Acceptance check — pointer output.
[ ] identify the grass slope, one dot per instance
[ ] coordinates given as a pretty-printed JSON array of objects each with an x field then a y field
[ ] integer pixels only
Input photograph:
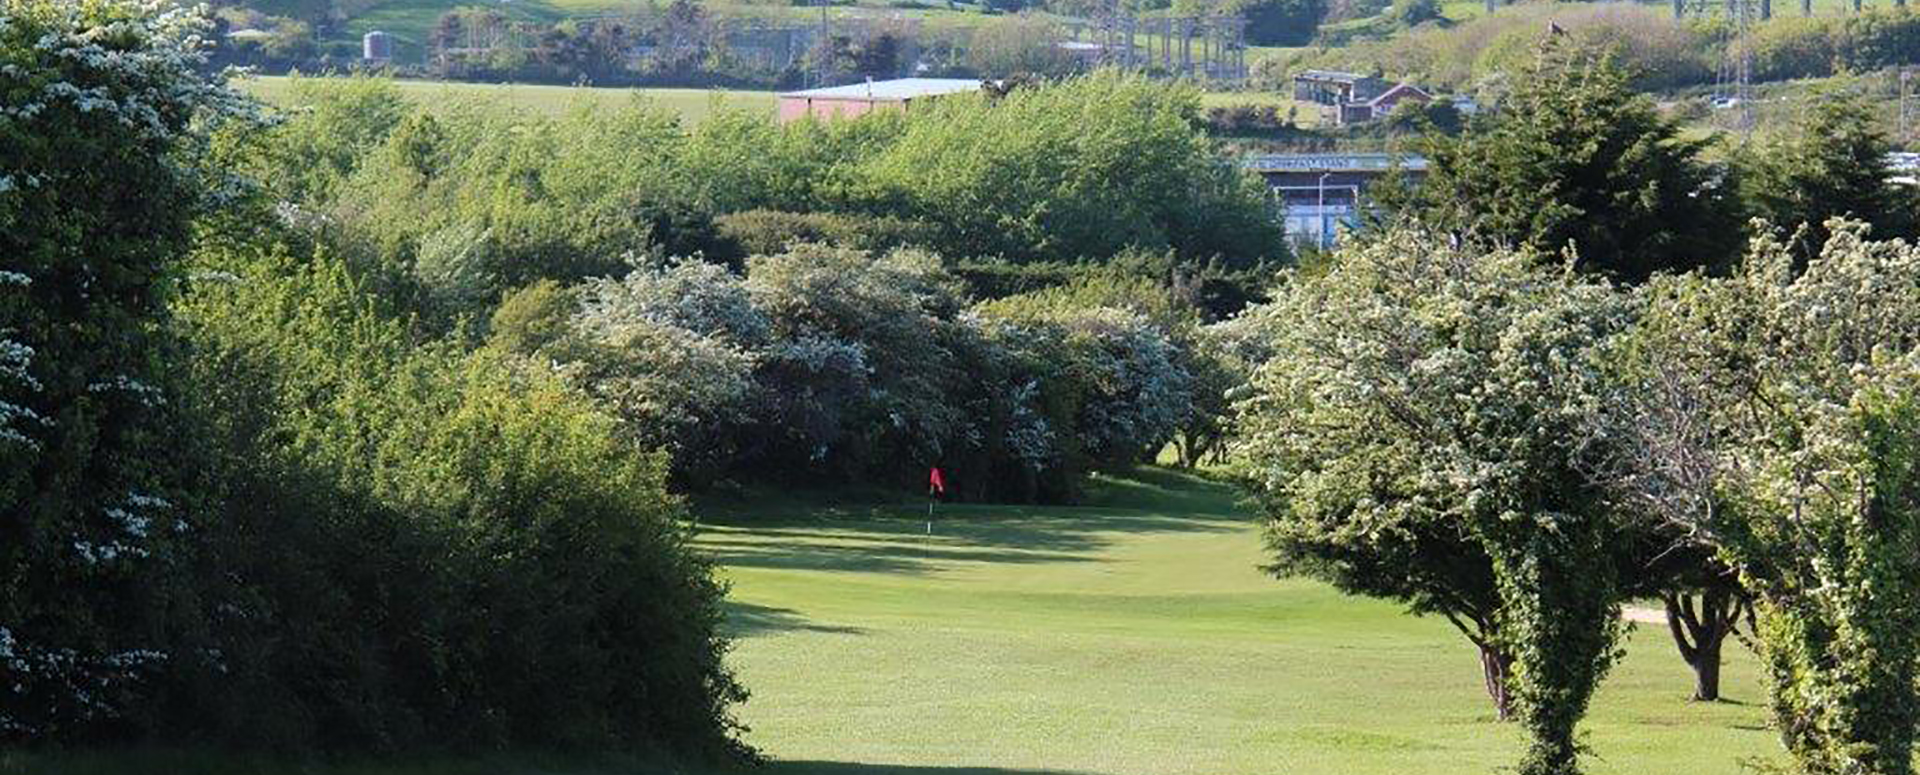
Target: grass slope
[
  {"x": 1132, "y": 635},
  {"x": 692, "y": 104}
]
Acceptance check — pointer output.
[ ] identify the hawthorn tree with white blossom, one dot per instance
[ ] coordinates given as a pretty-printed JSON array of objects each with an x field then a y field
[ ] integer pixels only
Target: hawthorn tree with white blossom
[
  {"x": 1775, "y": 420},
  {"x": 101, "y": 104},
  {"x": 1415, "y": 422}
]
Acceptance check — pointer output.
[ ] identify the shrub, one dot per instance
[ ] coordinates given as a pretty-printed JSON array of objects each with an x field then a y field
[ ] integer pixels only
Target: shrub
[
  {"x": 1478, "y": 55},
  {"x": 420, "y": 547},
  {"x": 1121, "y": 373},
  {"x": 102, "y": 172},
  {"x": 671, "y": 351},
  {"x": 768, "y": 232}
]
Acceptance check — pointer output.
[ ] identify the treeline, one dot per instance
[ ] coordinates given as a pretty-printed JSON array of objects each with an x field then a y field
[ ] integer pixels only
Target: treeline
[
  {"x": 1662, "y": 54},
  {"x": 801, "y": 301},
  {"x": 686, "y": 43},
  {"x": 360, "y": 427},
  {"x": 1560, "y": 377}
]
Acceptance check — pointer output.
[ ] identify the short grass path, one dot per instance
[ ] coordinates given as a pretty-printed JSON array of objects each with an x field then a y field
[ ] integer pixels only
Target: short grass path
[{"x": 1133, "y": 635}]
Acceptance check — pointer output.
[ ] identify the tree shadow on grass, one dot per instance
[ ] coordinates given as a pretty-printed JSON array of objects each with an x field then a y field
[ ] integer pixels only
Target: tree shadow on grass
[
  {"x": 746, "y": 620},
  {"x": 854, "y": 768},
  {"x": 893, "y": 537},
  {"x": 1165, "y": 490},
  {"x": 903, "y": 556}
]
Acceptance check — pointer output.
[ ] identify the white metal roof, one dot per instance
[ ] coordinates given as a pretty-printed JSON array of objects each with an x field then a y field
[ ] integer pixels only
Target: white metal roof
[{"x": 891, "y": 91}]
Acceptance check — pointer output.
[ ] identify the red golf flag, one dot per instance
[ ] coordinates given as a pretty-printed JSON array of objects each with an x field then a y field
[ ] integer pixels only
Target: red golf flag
[{"x": 936, "y": 483}]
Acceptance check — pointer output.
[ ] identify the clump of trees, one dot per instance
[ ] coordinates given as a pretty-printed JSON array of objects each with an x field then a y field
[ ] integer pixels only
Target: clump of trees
[
  {"x": 827, "y": 363},
  {"x": 360, "y": 428},
  {"x": 1830, "y": 163},
  {"x": 1466, "y": 413},
  {"x": 1485, "y": 436}
]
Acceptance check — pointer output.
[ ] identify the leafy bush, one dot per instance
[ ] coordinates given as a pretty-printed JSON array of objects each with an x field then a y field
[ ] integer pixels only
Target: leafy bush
[
  {"x": 671, "y": 351},
  {"x": 1127, "y": 380},
  {"x": 102, "y": 173},
  {"x": 420, "y": 547},
  {"x": 1776, "y": 422},
  {"x": 768, "y": 232}
]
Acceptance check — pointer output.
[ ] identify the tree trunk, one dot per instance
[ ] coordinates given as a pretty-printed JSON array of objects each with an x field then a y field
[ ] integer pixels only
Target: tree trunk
[
  {"x": 1495, "y": 667},
  {"x": 1700, "y": 631},
  {"x": 1706, "y": 674}
]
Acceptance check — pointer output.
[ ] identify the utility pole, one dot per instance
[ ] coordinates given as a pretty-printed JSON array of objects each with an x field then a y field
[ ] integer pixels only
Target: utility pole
[{"x": 1905, "y": 76}]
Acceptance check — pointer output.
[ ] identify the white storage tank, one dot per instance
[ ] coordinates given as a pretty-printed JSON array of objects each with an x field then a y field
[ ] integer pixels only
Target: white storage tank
[{"x": 376, "y": 46}]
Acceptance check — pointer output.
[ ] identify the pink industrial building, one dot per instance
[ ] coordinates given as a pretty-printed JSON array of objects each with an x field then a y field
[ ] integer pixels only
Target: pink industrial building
[{"x": 860, "y": 98}]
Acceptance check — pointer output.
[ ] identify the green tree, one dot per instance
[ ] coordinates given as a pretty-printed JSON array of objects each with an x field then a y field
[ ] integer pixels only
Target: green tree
[
  {"x": 1778, "y": 424},
  {"x": 99, "y": 185},
  {"x": 1082, "y": 168},
  {"x": 1575, "y": 158},
  {"x": 1424, "y": 400},
  {"x": 1832, "y": 164}
]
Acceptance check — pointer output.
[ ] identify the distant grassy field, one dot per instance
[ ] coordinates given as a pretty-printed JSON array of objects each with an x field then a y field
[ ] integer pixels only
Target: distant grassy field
[
  {"x": 410, "y": 21},
  {"x": 692, "y": 104},
  {"x": 1132, "y": 635}
]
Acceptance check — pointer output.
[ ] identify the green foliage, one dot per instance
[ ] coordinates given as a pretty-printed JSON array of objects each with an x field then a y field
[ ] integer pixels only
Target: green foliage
[
  {"x": 1082, "y": 168},
  {"x": 769, "y": 232},
  {"x": 1020, "y": 45},
  {"x": 424, "y": 548},
  {"x": 465, "y": 208},
  {"x": 532, "y": 318},
  {"x": 1875, "y": 38},
  {"x": 455, "y": 208},
  {"x": 1832, "y": 165},
  {"x": 1575, "y": 159},
  {"x": 100, "y": 180},
  {"x": 1419, "y": 409},
  {"x": 307, "y": 158},
  {"x": 1483, "y": 55},
  {"x": 828, "y": 363},
  {"x": 1281, "y": 22},
  {"x": 1777, "y": 423}
]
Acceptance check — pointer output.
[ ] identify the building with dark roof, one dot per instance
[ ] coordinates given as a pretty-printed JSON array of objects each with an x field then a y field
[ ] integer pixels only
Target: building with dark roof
[
  {"x": 1333, "y": 88},
  {"x": 1351, "y": 98}
]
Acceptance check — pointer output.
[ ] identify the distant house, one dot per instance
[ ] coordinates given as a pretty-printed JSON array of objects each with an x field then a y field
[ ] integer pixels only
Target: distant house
[
  {"x": 1382, "y": 106},
  {"x": 861, "y": 98},
  {"x": 1331, "y": 88}
]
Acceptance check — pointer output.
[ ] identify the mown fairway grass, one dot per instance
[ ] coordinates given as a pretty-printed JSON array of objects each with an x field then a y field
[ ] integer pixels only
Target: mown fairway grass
[
  {"x": 692, "y": 104},
  {"x": 1132, "y": 635}
]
